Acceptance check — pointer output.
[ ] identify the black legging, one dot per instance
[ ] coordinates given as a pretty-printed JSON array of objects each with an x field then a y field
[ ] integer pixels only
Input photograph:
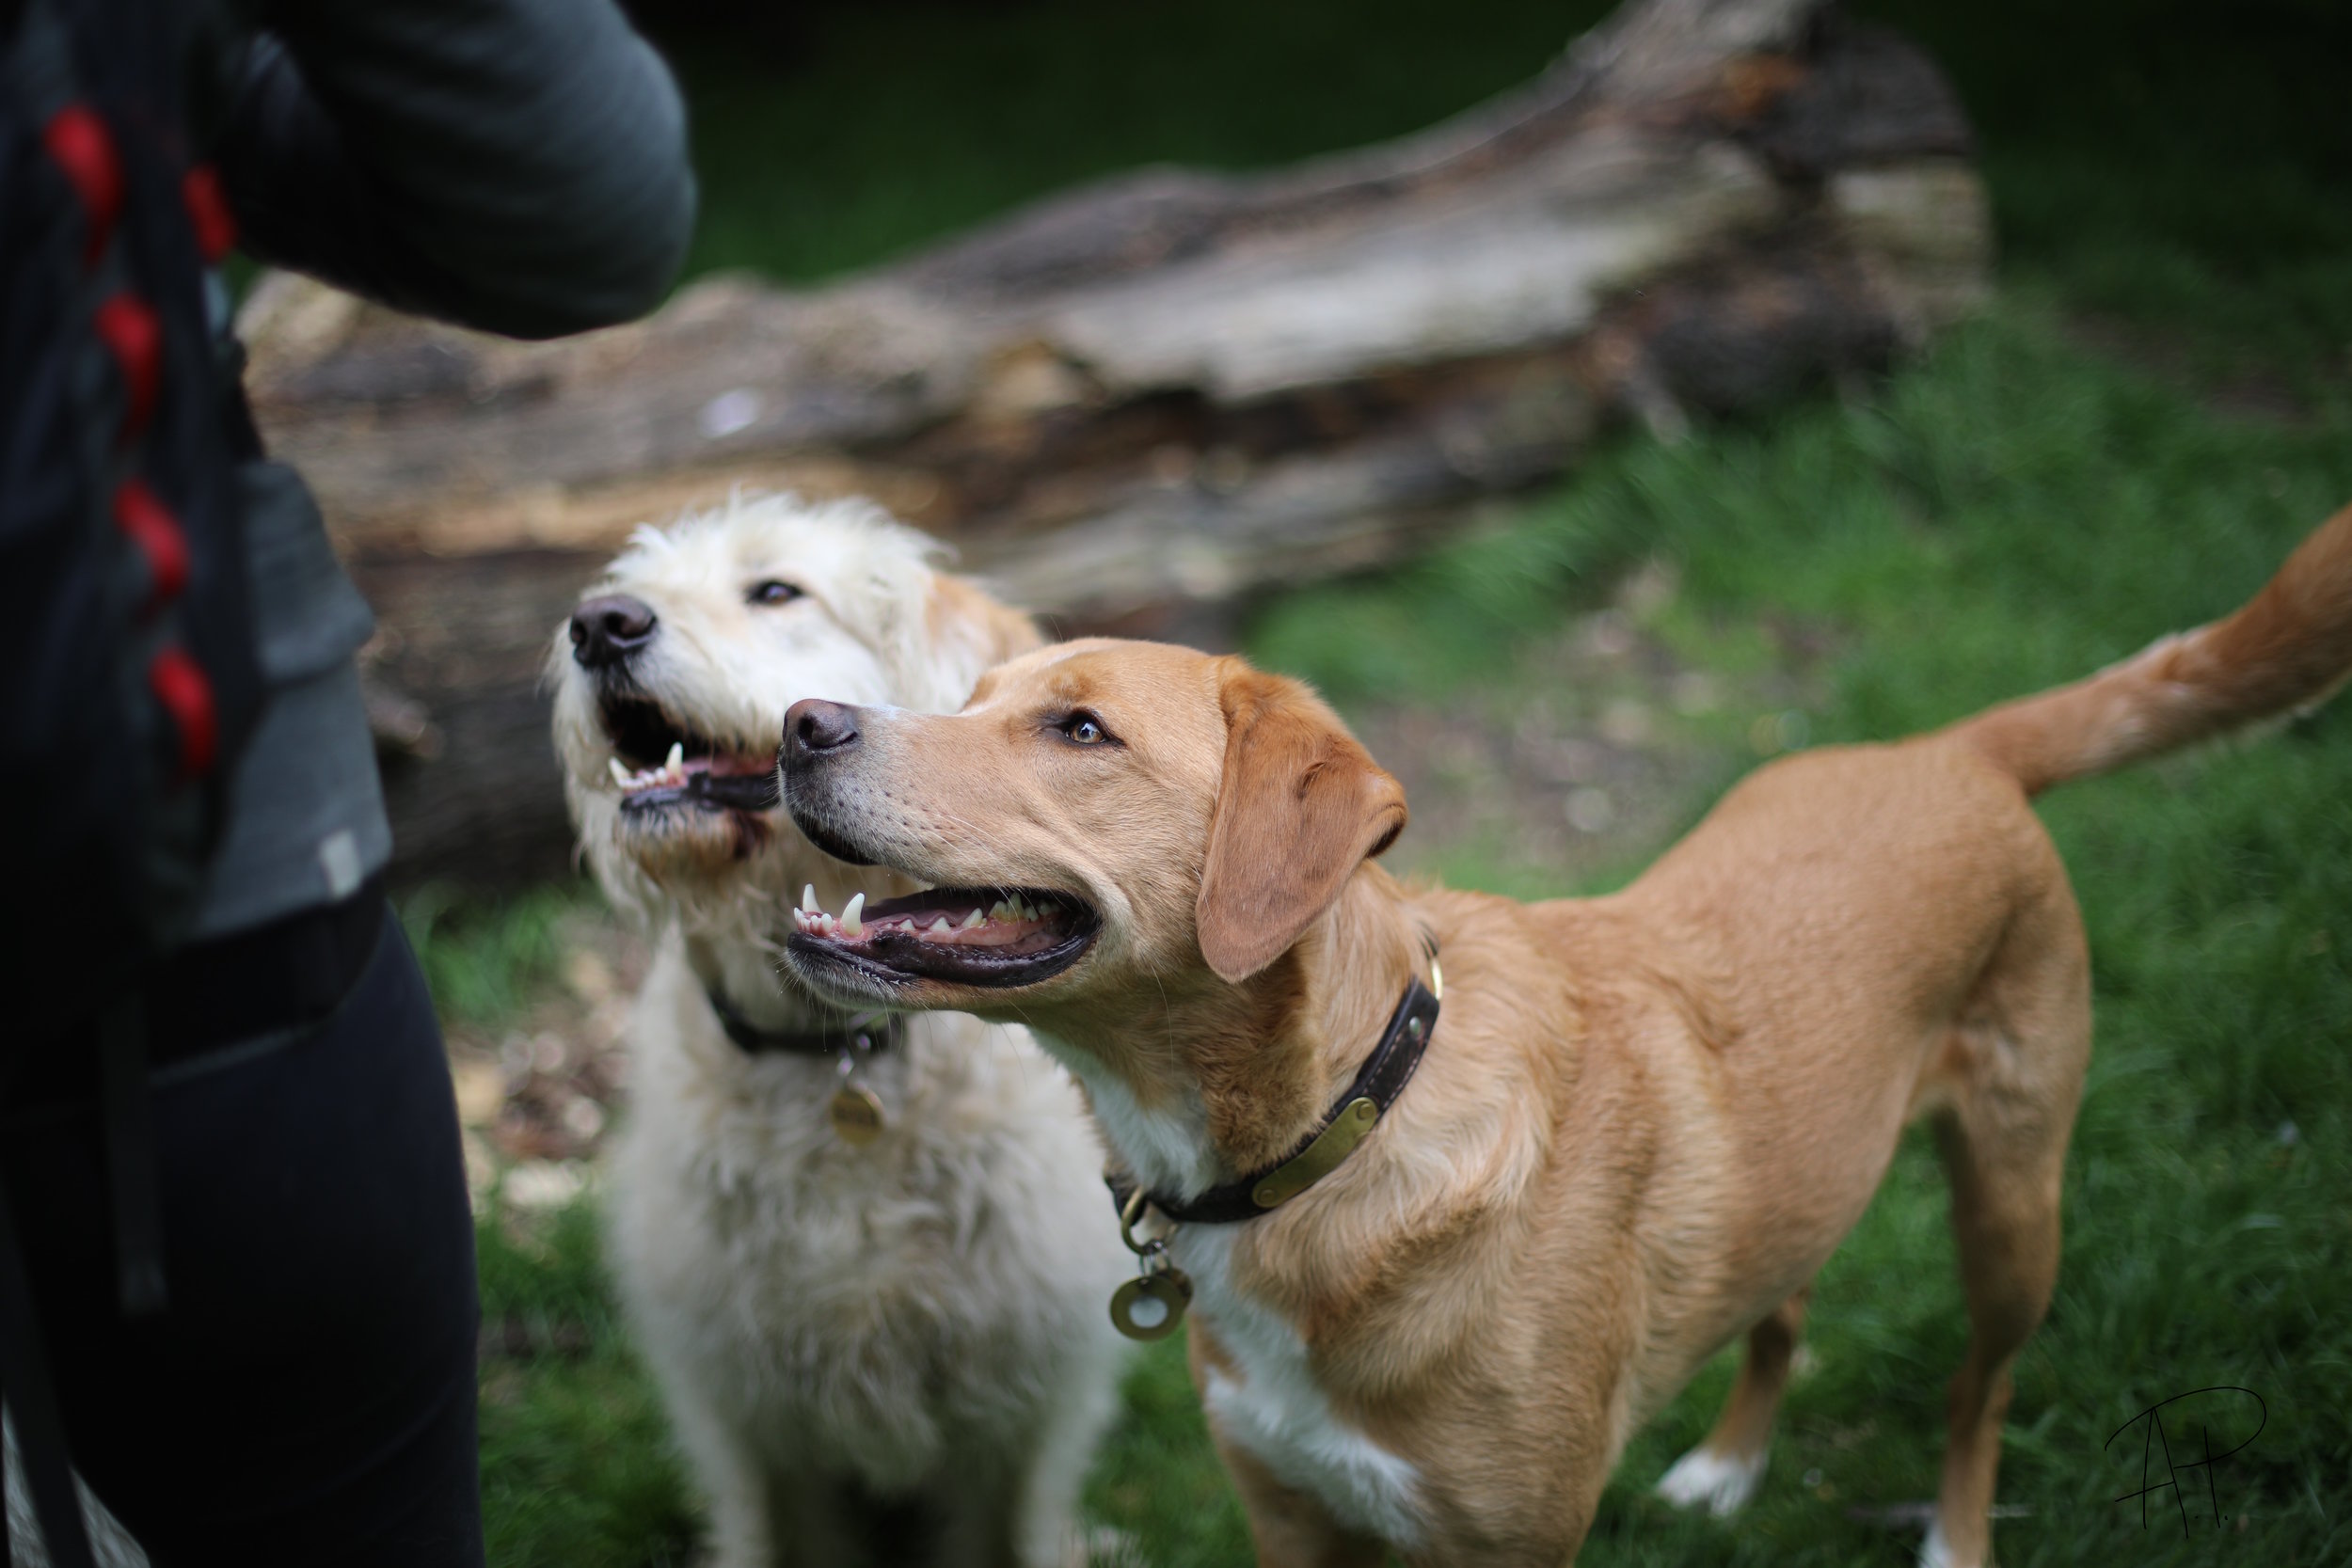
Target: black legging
[{"x": 308, "y": 1398}]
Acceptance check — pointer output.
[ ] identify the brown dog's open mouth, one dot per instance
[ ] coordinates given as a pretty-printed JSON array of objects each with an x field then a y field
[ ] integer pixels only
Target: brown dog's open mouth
[
  {"x": 662, "y": 765},
  {"x": 996, "y": 937}
]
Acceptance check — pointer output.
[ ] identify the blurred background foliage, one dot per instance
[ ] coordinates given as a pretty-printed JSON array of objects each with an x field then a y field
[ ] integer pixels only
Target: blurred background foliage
[{"x": 2185, "y": 166}]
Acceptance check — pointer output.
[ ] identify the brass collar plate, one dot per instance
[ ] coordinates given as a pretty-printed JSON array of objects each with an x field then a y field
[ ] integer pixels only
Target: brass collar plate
[{"x": 1320, "y": 1158}]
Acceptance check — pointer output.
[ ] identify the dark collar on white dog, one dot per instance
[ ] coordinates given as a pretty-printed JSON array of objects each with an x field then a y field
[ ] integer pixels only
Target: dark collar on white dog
[
  {"x": 1377, "y": 1083},
  {"x": 838, "y": 1033}
]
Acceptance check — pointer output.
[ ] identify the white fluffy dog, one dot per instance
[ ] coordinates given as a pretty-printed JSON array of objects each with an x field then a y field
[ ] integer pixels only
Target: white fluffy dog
[{"x": 894, "y": 1350}]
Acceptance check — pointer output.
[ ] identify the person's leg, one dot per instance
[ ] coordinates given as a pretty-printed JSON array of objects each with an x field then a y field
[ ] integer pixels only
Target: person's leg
[{"x": 309, "y": 1395}]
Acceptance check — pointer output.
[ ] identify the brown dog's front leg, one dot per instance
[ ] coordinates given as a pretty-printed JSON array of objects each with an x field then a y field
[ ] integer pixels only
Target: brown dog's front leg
[
  {"x": 1720, "y": 1474},
  {"x": 1289, "y": 1529}
]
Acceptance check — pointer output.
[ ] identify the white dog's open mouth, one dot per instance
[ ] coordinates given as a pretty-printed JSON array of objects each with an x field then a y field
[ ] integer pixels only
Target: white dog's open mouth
[
  {"x": 992, "y": 937},
  {"x": 662, "y": 765}
]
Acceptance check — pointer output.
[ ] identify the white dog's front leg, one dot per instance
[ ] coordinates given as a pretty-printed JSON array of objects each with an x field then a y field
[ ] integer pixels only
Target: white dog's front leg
[
  {"x": 734, "y": 1478},
  {"x": 1047, "y": 1530}
]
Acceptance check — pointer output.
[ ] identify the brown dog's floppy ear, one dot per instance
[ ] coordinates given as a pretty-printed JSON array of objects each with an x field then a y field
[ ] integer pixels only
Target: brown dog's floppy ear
[{"x": 1301, "y": 807}]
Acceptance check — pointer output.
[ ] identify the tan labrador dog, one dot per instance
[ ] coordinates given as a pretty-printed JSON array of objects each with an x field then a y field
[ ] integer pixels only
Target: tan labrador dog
[{"x": 1643, "y": 1122}]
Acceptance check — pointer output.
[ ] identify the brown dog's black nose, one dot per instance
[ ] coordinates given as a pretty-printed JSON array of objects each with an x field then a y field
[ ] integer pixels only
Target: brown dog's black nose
[
  {"x": 814, "y": 728},
  {"x": 608, "y": 630}
]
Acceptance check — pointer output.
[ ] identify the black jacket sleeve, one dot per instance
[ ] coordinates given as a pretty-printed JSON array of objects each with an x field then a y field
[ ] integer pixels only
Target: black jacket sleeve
[{"x": 518, "y": 166}]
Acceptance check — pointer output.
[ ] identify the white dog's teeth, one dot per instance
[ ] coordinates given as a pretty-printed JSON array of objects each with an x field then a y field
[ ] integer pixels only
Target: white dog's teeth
[
  {"x": 1000, "y": 911},
  {"x": 620, "y": 774},
  {"x": 676, "y": 760},
  {"x": 850, "y": 926},
  {"x": 809, "y": 899},
  {"x": 978, "y": 917},
  {"x": 940, "y": 927}
]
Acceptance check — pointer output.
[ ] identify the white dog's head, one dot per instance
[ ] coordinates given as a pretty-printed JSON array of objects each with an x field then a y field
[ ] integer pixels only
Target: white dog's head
[{"x": 673, "y": 677}]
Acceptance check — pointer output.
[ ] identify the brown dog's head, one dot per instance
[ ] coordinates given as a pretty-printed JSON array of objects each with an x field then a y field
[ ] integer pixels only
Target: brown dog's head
[{"x": 1099, "y": 812}]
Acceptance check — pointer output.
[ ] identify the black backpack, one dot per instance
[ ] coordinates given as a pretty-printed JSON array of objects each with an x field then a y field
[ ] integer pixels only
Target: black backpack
[
  {"x": 128, "y": 677},
  {"x": 128, "y": 671}
]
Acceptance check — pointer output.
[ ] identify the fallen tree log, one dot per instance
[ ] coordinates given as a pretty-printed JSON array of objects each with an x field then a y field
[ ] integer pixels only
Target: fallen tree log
[{"x": 1166, "y": 389}]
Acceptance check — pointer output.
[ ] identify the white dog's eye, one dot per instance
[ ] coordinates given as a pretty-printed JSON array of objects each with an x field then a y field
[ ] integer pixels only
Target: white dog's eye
[
  {"x": 771, "y": 592},
  {"x": 1085, "y": 729}
]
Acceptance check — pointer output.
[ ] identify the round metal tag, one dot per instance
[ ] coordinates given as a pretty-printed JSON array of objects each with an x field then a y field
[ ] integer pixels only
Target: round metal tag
[
  {"x": 1151, "y": 1308},
  {"x": 856, "y": 1115}
]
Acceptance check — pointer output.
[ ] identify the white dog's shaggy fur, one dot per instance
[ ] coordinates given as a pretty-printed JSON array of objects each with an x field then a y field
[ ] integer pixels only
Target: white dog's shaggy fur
[{"x": 863, "y": 1348}]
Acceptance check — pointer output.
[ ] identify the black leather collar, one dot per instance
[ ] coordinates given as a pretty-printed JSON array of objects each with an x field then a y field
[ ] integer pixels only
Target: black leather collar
[
  {"x": 839, "y": 1032},
  {"x": 1377, "y": 1083}
]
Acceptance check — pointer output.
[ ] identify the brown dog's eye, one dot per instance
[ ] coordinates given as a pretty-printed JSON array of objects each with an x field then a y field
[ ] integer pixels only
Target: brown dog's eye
[
  {"x": 771, "y": 592},
  {"x": 1085, "y": 729}
]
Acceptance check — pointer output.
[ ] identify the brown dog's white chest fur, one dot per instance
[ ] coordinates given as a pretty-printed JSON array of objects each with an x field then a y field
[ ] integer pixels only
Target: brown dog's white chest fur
[{"x": 1265, "y": 1395}]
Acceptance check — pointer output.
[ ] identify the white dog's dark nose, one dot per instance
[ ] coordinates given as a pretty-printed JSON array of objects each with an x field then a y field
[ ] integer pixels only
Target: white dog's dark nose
[
  {"x": 815, "y": 728},
  {"x": 608, "y": 630}
]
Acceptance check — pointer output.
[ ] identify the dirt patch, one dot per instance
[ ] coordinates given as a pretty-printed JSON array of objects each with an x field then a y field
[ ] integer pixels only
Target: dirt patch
[
  {"x": 2239, "y": 388},
  {"x": 1592, "y": 752},
  {"x": 536, "y": 1098}
]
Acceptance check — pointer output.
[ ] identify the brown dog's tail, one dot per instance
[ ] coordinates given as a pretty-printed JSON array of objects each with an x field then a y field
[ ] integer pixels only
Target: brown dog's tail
[{"x": 2290, "y": 647}]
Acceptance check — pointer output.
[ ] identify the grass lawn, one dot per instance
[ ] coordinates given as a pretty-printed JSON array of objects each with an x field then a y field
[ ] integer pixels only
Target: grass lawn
[{"x": 2156, "y": 409}]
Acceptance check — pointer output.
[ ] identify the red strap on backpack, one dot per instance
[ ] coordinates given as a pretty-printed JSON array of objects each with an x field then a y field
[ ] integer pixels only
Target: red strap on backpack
[{"x": 79, "y": 144}]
